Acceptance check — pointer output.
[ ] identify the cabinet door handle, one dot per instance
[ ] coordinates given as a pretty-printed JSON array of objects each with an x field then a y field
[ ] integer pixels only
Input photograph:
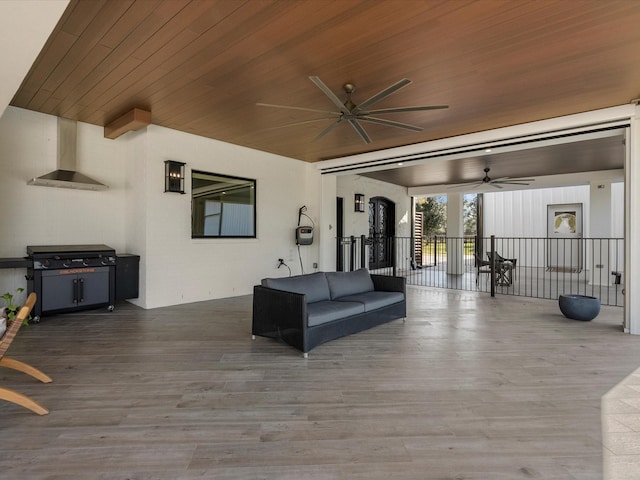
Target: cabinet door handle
[
  {"x": 81, "y": 290},
  {"x": 75, "y": 290}
]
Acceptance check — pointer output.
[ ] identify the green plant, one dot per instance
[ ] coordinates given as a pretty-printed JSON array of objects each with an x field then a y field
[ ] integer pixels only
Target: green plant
[{"x": 12, "y": 309}]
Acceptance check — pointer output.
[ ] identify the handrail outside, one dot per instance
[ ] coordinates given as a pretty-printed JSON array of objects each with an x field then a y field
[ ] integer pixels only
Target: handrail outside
[{"x": 543, "y": 267}]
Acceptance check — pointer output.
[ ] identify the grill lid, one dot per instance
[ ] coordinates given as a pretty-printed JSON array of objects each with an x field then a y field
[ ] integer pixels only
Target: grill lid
[{"x": 69, "y": 251}]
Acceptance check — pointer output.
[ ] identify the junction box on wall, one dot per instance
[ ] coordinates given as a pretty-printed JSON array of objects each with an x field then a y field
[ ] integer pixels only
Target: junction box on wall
[{"x": 304, "y": 233}]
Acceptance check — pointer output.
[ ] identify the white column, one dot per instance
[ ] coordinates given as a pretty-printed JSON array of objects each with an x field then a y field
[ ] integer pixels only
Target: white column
[
  {"x": 327, "y": 225},
  {"x": 632, "y": 229},
  {"x": 599, "y": 228},
  {"x": 455, "y": 232}
]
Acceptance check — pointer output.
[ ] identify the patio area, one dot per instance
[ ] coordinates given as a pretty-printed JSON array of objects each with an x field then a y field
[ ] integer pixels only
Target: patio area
[{"x": 525, "y": 281}]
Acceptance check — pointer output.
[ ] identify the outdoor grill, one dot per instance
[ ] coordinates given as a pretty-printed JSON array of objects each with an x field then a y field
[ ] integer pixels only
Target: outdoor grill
[{"x": 71, "y": 277}]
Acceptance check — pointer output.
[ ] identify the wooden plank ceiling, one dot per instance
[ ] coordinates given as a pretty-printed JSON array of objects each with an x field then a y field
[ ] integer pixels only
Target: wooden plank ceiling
[{"x": 202, "y": 66}]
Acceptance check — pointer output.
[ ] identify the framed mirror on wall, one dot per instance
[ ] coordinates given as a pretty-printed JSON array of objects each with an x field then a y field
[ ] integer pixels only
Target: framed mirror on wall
[{"x": 222, "y": 206}]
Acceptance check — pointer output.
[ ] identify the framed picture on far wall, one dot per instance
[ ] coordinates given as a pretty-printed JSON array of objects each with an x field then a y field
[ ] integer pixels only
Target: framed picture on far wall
[{"x": 564, "y": 231}]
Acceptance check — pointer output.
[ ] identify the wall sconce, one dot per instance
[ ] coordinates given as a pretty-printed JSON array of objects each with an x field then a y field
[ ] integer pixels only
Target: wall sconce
[
  {"x": 174, "y": 176},
  {"x": 358, "y": 202}
]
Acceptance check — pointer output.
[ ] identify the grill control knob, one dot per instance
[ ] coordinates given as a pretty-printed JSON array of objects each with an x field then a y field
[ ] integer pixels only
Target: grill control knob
[{"x": 85, "y": 262}]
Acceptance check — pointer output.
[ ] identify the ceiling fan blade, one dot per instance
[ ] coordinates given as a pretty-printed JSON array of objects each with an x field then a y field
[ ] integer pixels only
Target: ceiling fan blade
[
  {"x": 513, "y": 179},
  {"x": 303, "y": 122},
  {"x": 467, "y": 184},
  {"x": 390, "y": 123},
  {"x": 384, "y": 93},
  {"x": 495, "y": 185},
  {"x": 304, "y": 109},
  {"x": 509, "y": 183},
  {"x": 478, "y": 185},
  {"x": 327, "y": 91},
  {"x": 358, "y": 128},
  {"x": 403, "y": 109},
  {"x": 507, "y": 179},
  {"x": 329, "y": 128}
]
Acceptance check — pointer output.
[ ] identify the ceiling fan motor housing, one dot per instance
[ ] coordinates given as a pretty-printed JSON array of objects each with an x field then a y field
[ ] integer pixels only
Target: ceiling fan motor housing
[{"x": 354, "y": 114}]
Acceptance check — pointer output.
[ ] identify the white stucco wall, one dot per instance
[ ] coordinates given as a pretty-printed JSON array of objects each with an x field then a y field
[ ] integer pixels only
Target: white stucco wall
[
  {"x": 136, "y": 216},
  {"x": 180, "y": 269},
  {"x": 357, "y": 223},
  {"x": 327, "y": 227},
  {"x": 33, "y": 215}
]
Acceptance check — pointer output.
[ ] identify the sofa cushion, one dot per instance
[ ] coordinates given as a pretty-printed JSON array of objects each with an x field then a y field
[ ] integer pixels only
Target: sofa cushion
[
  {"x": 342, "y": 284},
  {"x": 323, "y": 312},
  {"x": 313, "y": 285},
  {"x": 374, "y": 300}
]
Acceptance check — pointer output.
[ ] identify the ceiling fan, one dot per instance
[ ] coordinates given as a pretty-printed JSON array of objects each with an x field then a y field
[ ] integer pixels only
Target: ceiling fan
[
  {"x": 354, "y": 114},
  {"x": 497, "y": 182}
]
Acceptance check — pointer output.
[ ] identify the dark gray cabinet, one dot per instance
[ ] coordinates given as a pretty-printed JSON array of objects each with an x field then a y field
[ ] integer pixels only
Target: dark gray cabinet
[
  {"x": 127, "y": 276},
  {"x": 74, "y": 287}
]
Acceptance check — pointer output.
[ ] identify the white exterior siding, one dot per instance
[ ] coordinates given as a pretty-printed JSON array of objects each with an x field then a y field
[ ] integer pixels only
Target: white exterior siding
[{"x": 522, "y": 214}]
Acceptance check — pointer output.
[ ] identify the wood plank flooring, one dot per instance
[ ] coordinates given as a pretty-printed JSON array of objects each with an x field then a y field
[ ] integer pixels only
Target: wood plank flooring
[{"x": 469, "y": 387}]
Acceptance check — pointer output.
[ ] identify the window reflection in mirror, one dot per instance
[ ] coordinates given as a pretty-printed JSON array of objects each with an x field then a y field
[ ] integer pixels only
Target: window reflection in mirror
[{"x": 222, "y": 206}]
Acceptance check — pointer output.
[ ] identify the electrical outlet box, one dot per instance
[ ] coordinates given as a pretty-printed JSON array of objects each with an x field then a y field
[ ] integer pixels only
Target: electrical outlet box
[{"x": 315, "y": 265}]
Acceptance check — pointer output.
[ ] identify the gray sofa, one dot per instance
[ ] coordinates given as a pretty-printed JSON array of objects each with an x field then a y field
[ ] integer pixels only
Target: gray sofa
[{"x": 308, "y": 310}]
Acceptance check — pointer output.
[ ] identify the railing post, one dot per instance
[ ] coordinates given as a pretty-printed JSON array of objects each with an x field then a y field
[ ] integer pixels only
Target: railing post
[
  {"x": 435, "y": 250},
  {"x": 493, "y": 265},
  {"x": 352, "y": 253},
  {"x": 393, "y": 255},
  {"x": 363, "y": 243}
]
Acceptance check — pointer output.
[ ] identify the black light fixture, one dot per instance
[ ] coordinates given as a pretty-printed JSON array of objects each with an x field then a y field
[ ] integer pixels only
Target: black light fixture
[
  {"x": 174, "y": 176},
  {"x": 358, "y": 202}
]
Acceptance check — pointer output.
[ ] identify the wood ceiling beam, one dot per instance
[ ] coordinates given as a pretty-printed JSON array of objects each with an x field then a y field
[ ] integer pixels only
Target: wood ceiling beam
[{"x": 133, "y": 120}]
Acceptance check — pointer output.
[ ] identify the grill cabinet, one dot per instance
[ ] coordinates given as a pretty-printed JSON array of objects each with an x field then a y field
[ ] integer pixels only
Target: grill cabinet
[{"x": 67, "y": 278}]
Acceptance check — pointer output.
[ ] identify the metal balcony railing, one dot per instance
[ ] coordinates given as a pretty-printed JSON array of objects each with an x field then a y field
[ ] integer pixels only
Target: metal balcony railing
[{"x": 530, "y": 267}]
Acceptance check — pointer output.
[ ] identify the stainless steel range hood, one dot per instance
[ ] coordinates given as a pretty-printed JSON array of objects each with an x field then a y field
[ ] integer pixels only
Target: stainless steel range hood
[{"x": 65, "y": 176}]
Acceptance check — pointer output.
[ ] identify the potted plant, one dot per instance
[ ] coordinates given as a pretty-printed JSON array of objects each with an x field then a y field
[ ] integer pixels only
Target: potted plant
[{"x": 11, "y": 310}]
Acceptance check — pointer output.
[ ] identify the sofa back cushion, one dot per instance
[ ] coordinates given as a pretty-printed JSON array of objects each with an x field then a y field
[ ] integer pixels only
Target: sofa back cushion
[
  {"x": 342, "y": 284},
  {"x": 313, "y": 285}
]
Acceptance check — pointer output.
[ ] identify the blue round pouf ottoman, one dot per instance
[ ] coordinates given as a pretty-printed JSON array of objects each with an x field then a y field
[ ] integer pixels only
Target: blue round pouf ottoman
[{"x": 579, "y": 307}]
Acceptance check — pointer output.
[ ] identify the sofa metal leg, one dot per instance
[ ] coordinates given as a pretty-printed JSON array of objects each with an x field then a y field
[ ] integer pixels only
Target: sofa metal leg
[
  {"x": 305, "y": 355},
  {"x": 253, "y": 337}
]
